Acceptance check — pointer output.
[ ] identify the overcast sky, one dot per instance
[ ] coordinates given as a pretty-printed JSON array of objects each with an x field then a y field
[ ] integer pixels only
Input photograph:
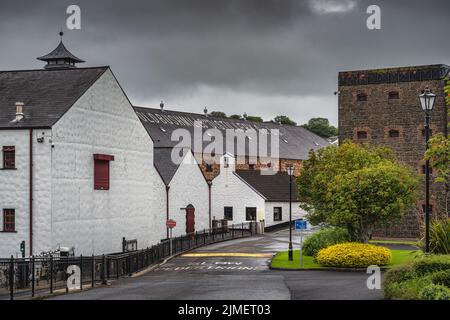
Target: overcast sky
[{"x": 263, "y": 57}]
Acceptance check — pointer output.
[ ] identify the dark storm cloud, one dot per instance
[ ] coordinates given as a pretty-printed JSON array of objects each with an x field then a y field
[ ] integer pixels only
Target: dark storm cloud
[{"x": 262, "y": 56}]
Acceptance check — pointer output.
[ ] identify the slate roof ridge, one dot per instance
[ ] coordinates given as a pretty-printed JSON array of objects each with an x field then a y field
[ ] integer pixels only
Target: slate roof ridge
[{"x": 54, "y": 70}]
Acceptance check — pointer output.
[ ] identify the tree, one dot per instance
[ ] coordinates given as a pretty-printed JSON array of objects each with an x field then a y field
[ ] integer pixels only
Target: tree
[
  {"x": 356, "y": 187},
  {"x": 218, "y": 114},
  {"x": 322, "y": 127},
  {"x": 439, "y": 156},
  {"x": 255, "y": 119},
  {"x": 236, "y": 117},
  {"x": 284, "y": 120}
]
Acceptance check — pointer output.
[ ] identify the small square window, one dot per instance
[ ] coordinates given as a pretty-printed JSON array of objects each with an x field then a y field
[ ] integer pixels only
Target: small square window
[
  {"x": 277, "y": 214},
  {"x": 250, "y": 214},
  {"x": 209, "y": 167},
  {"x": 361, "y": 97},
  {"x": 394, "y": 95},
  {"x": 228, "y": 213},
  {"x": 9, "y": 157},
  {"x": 362, "y": 135},
  {"x": 394, "y": 133},
  {"x": 9, "y": 220},
  {"x": 251, "y": 167}
]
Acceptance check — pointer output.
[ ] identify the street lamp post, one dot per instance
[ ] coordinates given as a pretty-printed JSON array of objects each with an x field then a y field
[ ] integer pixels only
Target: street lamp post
[
  {"x": 427, "y": 100},
  {"x": 291, "y": 173}
]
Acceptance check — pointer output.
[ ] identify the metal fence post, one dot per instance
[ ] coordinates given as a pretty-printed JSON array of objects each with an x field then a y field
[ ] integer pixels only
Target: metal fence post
[
  {"x": 11, "y": 279},
  {"x": 33, "y": 275},
  {"x": 81, "y": 272},
  {"x": 93, "y": 272},
  {"x": 51, "y": 274},
  {"x": 103, "y": 277},
  {"x": 242, "y": 229}
]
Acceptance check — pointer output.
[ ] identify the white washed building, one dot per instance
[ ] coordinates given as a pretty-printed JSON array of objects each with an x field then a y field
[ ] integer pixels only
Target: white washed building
[
  {"x": 76, "y": 164},
  {"x": 244, "y": 195},
  {"x": 187, "y": 192}
]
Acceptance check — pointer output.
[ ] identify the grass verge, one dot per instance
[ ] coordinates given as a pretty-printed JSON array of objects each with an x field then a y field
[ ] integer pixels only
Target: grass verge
[{"x": 281, "y": 260}]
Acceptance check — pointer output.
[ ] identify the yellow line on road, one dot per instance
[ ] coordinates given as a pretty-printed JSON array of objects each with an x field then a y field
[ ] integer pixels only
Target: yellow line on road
[{"x": 231, "y": 255}]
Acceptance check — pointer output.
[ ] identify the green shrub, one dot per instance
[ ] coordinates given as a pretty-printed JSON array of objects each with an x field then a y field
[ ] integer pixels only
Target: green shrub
[
  {"x": 435, "y": 292},
  {"x": 420, "y": 279},
  {"x": 323, "y": 239},
  {"x": 440, "y": 236},
  {"x": 354, "y": 255},
  {"x": 442, "y": 278},
  {"x": 430, "y": 264}
]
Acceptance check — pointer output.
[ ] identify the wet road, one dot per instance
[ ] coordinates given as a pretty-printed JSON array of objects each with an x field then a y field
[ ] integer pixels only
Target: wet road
[{"x": 235, "y": 270}]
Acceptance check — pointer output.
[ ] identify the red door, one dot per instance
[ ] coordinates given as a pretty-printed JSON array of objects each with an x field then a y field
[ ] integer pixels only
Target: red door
[{"x": 190, "y": 219}]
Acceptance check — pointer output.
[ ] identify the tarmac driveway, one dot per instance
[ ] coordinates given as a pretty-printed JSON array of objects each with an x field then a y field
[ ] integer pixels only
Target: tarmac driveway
[{"x": 234, "y": 270}]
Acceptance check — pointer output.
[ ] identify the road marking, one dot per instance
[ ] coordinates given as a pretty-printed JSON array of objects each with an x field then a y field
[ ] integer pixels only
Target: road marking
[{"x": 229, "y": 255}]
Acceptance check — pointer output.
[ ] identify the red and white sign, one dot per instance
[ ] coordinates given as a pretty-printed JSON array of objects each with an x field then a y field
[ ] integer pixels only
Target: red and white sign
[{"x": 171, "y": 224}]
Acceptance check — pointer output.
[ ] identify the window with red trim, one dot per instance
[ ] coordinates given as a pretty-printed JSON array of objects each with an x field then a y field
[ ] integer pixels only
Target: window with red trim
[
  {"x": 9, "y": 220},
  {"x": 101, "y": 171},
  {"x": 361, "y": 135},
  {"x": 9, "y": 157}
]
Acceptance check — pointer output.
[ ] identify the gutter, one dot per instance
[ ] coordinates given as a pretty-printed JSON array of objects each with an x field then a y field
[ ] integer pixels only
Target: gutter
[
  {"x": 167, "y": 209},
  {"x": 31, "y": 192}
]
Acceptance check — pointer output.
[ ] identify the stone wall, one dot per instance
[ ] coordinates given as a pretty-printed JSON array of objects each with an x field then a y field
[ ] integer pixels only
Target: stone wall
[{"x": 397, "y": 123}]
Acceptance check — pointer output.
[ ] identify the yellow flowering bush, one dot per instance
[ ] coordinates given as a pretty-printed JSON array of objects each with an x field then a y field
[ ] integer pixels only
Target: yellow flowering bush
[{"x": 354, "y": 255}]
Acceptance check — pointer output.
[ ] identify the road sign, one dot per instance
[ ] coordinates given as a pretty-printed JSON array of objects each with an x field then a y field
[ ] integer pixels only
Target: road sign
[
  {"x": 171, "y": 224},
  {"x": 301, "y": 225}
]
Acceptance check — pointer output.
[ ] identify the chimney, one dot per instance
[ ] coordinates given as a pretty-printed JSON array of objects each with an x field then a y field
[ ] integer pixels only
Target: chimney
[
  {"x": 19, "y": 112},
  {"x": 162, "y": 106}
]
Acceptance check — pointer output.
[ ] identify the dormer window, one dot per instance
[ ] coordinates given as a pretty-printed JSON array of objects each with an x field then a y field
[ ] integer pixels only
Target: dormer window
[
  {"x": 394, "y": 95},
  {"x": 361, "y": 97}
]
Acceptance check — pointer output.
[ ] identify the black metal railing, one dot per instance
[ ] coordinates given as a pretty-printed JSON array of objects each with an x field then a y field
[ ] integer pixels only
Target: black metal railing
[{"x": 29, "y": 277}]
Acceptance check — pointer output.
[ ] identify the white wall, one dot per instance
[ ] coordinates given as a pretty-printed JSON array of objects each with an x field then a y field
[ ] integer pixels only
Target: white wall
[
  {"x": 14, "y": 191},
  {"x": 103, "y": 122},
  {"x": 228, "y": 190},
  {"x": 297, "y": 213},
  {"x": 189, "y": 187}
]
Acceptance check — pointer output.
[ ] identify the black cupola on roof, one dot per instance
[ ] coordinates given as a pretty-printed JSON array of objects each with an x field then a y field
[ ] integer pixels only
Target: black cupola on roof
[{"x": 60, "y": 58}]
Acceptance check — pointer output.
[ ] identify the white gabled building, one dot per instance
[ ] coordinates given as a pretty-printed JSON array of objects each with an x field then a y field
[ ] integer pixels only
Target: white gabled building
[
  {"x": 249, "y": 195},
  {"x": 76, "y": 164},
  {"x": 187, "y": 191}
]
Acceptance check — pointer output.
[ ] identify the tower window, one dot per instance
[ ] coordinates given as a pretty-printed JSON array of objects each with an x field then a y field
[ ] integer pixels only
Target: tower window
[
  {"x": 9, "y": 157},
  {"x": 361, "y": 97},
  {"x": 362, "y": 135},
  {"x": 393, "y": 95},
  {"x": 394, "y": 133}
]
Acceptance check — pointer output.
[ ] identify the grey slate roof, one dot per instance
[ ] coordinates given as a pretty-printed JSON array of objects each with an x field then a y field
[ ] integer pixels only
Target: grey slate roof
[
  {"x": 60, "y": 52},
  {"x": 164, "y": 164},
  {"x": 47, "y": 94},
  {"x": 295, "y": 142},
  {"x": 275, "y": 188}
]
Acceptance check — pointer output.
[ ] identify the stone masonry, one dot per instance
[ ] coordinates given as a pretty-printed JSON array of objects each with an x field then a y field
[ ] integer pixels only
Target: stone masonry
[{"x": 382, "y": 107}]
